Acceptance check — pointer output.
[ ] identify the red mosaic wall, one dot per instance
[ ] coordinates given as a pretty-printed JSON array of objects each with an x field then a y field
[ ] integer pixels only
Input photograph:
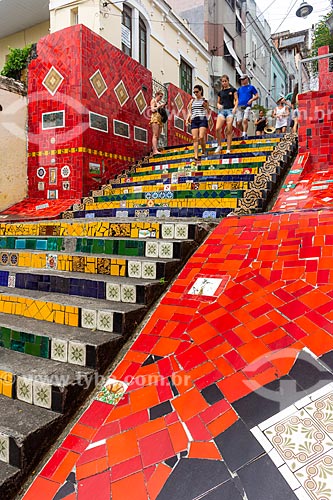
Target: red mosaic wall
[{"x": 77, "y": 53}]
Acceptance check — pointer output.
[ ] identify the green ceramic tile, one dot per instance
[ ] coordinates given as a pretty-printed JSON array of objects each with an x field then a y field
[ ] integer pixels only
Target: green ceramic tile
[{"x": 16, "y": 345}]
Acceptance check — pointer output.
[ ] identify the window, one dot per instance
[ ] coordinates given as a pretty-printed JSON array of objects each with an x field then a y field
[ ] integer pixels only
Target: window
[
  {"x": 185, "y": 77},
  {"x": 142, "y": 43},
  {"x": 126, "y": 30},
  {"x": 74, "y": 16}
]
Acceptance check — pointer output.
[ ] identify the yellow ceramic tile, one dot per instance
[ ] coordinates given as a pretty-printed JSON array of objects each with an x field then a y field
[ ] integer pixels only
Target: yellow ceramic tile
[
  {"x": 7, "y": 389},
  {"x": 8, "y": 307},
  {"x": 72, "y": 319},
  {"x": 59, "y": 317}
]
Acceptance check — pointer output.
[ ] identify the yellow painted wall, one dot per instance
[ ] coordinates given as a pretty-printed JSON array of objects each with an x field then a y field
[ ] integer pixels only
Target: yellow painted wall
[{"x": 13, "y": 171}]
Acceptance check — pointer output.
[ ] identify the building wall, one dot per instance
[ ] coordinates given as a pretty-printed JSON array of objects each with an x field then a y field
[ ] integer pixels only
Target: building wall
[
  {"x": 13, "y": 144},
  {"x": 21, "y": 39},
  {"x": 169, "y": 39}
]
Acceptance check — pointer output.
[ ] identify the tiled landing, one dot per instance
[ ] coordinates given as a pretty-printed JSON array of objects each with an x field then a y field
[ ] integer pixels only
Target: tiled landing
[
  {"x": 256, "y": 293},
  {"x": 36, "y": 209}
]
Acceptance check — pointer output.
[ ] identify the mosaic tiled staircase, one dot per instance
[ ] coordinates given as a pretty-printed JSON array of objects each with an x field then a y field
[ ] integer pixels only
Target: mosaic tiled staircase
[
  {"x": 173, "y": 185},
  {"x": 73, "y": 290},
  {"x": 71, "y": 293}
]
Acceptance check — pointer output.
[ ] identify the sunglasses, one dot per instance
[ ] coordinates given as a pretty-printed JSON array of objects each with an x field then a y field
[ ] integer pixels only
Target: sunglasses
[{"x": 196, "y": 91}]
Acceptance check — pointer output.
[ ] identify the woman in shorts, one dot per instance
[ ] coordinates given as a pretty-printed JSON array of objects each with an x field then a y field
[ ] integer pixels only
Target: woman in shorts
[{"x": 197, "y": 116}]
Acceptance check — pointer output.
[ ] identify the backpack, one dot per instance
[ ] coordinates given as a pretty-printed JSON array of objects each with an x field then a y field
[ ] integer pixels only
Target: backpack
[{"x": 164, "y": 114}]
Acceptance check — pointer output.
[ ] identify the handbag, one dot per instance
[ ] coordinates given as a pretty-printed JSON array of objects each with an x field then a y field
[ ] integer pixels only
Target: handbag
[{"x": 164, "y": 114}]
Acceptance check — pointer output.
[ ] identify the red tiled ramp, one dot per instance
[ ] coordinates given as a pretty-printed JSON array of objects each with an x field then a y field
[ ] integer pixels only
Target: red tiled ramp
[{"x": 256, "y": 292}]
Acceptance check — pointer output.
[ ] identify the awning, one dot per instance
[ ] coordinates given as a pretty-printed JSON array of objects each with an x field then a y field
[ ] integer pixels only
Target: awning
[
  {"x": 240, "y": 19},
  {"x": 239, "y": 71},
  {"x": 231, "y": 49}
]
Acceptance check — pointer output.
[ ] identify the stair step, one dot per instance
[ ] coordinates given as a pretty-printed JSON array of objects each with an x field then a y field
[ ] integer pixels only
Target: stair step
[
  {"x": 44, "y": 382},
  {"x": 9, "y": 479},
  {"x": 117, "y": 317},
  {"x": 99, "y": 286},
  {"x": 78, "y": 346}
]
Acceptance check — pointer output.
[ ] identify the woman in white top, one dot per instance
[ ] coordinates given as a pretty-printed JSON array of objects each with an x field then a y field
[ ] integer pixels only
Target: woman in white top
[
  {"x": 281, "y": 113},
  {"x": 197, "y": 116}
]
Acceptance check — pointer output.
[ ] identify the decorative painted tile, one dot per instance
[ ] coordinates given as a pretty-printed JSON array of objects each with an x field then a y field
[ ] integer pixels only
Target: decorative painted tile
[
  {"x": 11, "y": 281},
  {"x": 149, "y": 270},
  {"x": 112, "y": 391},
  {"x": 128, "y": 293},
  {"x": 24, "y": 389},
  {"x": 89, "y": 318},
  {"x": 98, "y": 83},
  {"x": 151, "y": 249},
  {"x": 165, "y": 250},
  {"x": 42, "y": 394},
  {"x": 179, "y": 102},
  {"x": 52, "y": 80},
  {"x": 163, "y": 214},
  {"x": 59, "y": 350},
  {"x": 298, "y": 439},
  {"x": 105, "y": 321},
  {"x": 113, "y": 292},
  {"x": 181, "y": 231},
  {"x": 317, "y": 477},
  {"x": 4, "y": 448},
  {"x": 134, "y": 269},
  {"x": 322, "y": 412},
  {"x": 168, "y": 231},
  {"x": 51, "y": 261},
  {"x": 76, "y": 353},
  {"x": 205, "y": 286},
  {"x": 65, "y": 171},
  {"x": 121, "y": 93},
  {"x": 4, "y": 256},
  {"x": 140, "y": 102},
  {"x": 13, "y": 259}
]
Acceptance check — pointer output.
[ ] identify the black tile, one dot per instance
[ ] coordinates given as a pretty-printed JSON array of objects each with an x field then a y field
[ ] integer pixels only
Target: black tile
[
  {"x": 309, "y": 373},
  {"x": 226, "y": 491},
  {"x": 268, "y": 400},
  {"x": 261, "y": 480},
  {"x": 64, "y": 491},
  {"x": 160, "y": 410},
  {"x": 171, "y": 462},
  {"x": 193, "y": 477},
  {"x": 238, "y": 446},
  {"x": 212, "y": 394},
  {"x": 328, "y": 360},
  {"x": 152, "y": 358},
  {"x": 174, "y": 389}
]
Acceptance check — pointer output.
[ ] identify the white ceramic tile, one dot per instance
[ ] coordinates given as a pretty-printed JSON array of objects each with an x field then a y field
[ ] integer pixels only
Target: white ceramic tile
[
  {"x": 89, "y": 318},
  {"x": 298, "y": 439},
  {"x": 42, "y": 394},
  {"x": 321, "y": 411},
  {"x": 105, "y": 321},
  {"x": 168, "y": 231},
  {"x": 301, "y": 494},
  {"x": 151, "y": 249},
  {"x": 128, "y": 293},
  {"x": 134, "y": 269},
  {"x": 113, "y": 292},
  {"x": 317, "y": 477},
  {"x": 181, "y": 231},
  {"x": 76, "y": 353},
  {"x": 262, "y": 439},
  {"x": 24, "y": 389},
  {"x": 276, "y": 458},
  {"x": 165, "y": 250},
  {"x": 59, "y": 350},
  {"x": 289, "y": 477},
  {"x": 149, "y": 270},
  {"x": 321, "y": 392},
  {"x": 11, "y": 280},
  {"x": 302, "y": 402},
  {"x": 4, "y": 448}
]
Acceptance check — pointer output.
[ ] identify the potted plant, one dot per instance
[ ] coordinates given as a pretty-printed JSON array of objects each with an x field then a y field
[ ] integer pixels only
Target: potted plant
[{"x": 16, "y": 63}]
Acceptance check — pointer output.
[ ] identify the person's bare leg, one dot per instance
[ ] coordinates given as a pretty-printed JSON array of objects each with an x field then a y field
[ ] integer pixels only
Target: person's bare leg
[
  {"x": 195, "y": 135},
  {"x": 245, "y": 125},
  {"x": 156, "y": 132},
  {"x": 219, "y": 126},
  {"x": 229, "y": 133},
  {"x": 202, "y": 139}
]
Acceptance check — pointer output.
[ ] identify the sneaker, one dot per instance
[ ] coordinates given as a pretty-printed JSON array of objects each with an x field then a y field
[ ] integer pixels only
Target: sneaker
[
  {"x": 218, "y": 149},
  {"x": 228, "y": 152}
]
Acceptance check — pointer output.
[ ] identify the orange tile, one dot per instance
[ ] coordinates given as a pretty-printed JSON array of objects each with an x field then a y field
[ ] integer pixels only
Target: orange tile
[
  {"x": 121, "y": 369},
  {"x": 182, "y": 381},
  {"x": 124, "y": 488},
  {"x": 150, "y": 427},
  {"x": 224, "y": 367},
  {"x": 84, "y": 431},
  {"x": 189, "y": 404},
  {"x": 144, "y": 398},
  {"x": 165, "y": 346},
  {"x": 203, "y": 333},
  {"x": 264, "y": 378},
  {"x": 91, "y": 468},
  {"x": 277, "y": 318},
  {"x": 219, "y": 350},
  {"x": 178, "y": 437},
  {"x": 201, "y": 370},
  {"x": 319, "y": 342},
  {"x": 42, "y": 488},
  {"x": 314, "y": 299},
  {"x": 168, "y": 329},
  {"x": 137, "y": 357},
  {"x": 122, "y": 447},
  {"x": 243, "y": 333},
  {"x": 253, "y": 350},
  {"x": 204, "y": 450},
  {"x": 158, "y": 480},
  {"x": 235, "y": 387},
  {"x": 118, "y": 412},
  {"x": 273, "y": 336},
  {"x": 222, "y": 423},
  {"x": 65, "y": 467},
  {"x": 284, "y": 359}
]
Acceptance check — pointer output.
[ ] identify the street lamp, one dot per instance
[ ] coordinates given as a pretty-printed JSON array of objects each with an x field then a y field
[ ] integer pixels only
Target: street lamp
[{"x": 304, "y": 10}]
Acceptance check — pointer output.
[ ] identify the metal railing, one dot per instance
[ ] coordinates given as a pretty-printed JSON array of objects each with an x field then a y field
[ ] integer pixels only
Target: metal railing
[{"x": 308, "y": 74}]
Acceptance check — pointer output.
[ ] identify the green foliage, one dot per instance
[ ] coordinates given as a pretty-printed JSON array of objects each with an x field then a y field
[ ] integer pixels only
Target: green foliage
[
  {"x": 16, "y": 61},
  {"x": 321, "y": 37},
  {"x": 259, "y": 107}
]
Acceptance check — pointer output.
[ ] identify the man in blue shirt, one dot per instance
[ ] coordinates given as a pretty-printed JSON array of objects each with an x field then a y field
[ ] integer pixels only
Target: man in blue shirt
[{"x": 247, "y": 94}]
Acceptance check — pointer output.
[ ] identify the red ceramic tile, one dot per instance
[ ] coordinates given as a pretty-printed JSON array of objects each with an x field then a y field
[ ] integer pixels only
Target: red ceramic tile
[
  {"x": 222, "y": 423},
  {"x": 42, "y": 488},
  {"x": 234, "y": 387},
  {"x": 191, "y": 358},
  {"x": 95, "y": 415},
  {"x": 156, "y": 448},
  {"x": 214, "y": 411},
  {"x": 157, "y": 480},
  {"x": 144, "y": 398},
  {"x": 126, "y": 468},
  {"x": 122, "y": 447},
  {"x": 150, "y": 427},
  {"x": 87, "y": 487},
  {"x": 178, "y": 437},
  {"x": 75, "y": 443},
  {"x": 92, "y": 468},
  {"x": 53, "y": 463}
]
